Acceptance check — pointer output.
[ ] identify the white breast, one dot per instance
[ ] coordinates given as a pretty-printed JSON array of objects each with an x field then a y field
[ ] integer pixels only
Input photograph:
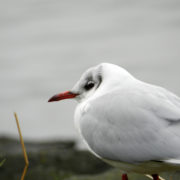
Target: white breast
[{"x": 80, "y": 111}]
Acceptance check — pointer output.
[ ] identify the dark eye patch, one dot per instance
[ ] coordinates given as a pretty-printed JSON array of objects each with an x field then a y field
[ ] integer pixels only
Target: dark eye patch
[{"x": 89, "y": 85}]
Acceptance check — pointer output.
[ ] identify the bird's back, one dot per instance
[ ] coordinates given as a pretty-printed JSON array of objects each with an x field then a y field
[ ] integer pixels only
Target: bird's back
[{"x": 133, "y": 124}]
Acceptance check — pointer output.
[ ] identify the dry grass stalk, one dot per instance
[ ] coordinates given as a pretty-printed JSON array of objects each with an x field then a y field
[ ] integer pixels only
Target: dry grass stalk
[{"x": 23, "y": 148}]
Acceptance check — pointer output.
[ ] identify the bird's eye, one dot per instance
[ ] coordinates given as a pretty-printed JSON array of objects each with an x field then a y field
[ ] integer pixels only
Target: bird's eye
[{"x": 89, "y": 85}]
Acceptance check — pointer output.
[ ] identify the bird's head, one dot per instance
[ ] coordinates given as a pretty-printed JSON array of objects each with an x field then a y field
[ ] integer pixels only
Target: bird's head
[{"x": 103, "y": 75}]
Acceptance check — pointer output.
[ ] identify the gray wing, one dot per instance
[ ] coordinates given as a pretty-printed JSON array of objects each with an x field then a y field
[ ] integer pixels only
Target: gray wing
[
  {"x": 134, "y": 125},
  {"x": 164, "y": 104}
]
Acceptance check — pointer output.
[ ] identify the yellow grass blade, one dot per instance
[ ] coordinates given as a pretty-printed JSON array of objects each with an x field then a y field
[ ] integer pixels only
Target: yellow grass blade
[{"x": 23, "y": 148}]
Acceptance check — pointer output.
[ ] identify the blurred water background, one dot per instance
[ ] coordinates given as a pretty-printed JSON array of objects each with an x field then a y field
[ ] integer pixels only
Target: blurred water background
[{"x": 46, "y": 45}]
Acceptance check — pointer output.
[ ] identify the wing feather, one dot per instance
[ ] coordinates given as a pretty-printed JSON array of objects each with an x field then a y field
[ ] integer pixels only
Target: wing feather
[{"x": 133, "y": 124}]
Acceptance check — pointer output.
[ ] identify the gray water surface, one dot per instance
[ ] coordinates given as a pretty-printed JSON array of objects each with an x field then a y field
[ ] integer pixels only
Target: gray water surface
[{"x": 46, "y": 45}]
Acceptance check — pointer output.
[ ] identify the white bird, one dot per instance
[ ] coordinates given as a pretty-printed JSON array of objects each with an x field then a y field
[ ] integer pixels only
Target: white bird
[{"x": 130, "y": 124}]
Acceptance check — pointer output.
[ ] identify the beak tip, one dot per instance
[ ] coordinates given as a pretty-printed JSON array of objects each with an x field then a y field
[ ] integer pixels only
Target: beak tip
[{"x": 52, "y": 99}]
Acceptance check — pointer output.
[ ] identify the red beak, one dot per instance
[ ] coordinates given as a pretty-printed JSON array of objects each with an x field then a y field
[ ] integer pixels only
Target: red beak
[{"x": 61, "y": 96}]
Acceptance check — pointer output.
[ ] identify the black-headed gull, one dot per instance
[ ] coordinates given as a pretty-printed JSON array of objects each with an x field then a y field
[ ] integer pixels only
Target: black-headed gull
[{"x": 128, "y": 123}]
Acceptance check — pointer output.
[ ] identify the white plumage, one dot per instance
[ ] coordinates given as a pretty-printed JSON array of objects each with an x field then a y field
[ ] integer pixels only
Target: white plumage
[
  {"x": 126, "y": 122},
  {"x": 130, "y": 121}
]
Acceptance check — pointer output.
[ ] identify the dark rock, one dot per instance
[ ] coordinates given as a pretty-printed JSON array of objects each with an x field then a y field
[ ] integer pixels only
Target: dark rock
[
  {"x": 13, "y": 146},
  {"x": 47, "y": 160}
]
